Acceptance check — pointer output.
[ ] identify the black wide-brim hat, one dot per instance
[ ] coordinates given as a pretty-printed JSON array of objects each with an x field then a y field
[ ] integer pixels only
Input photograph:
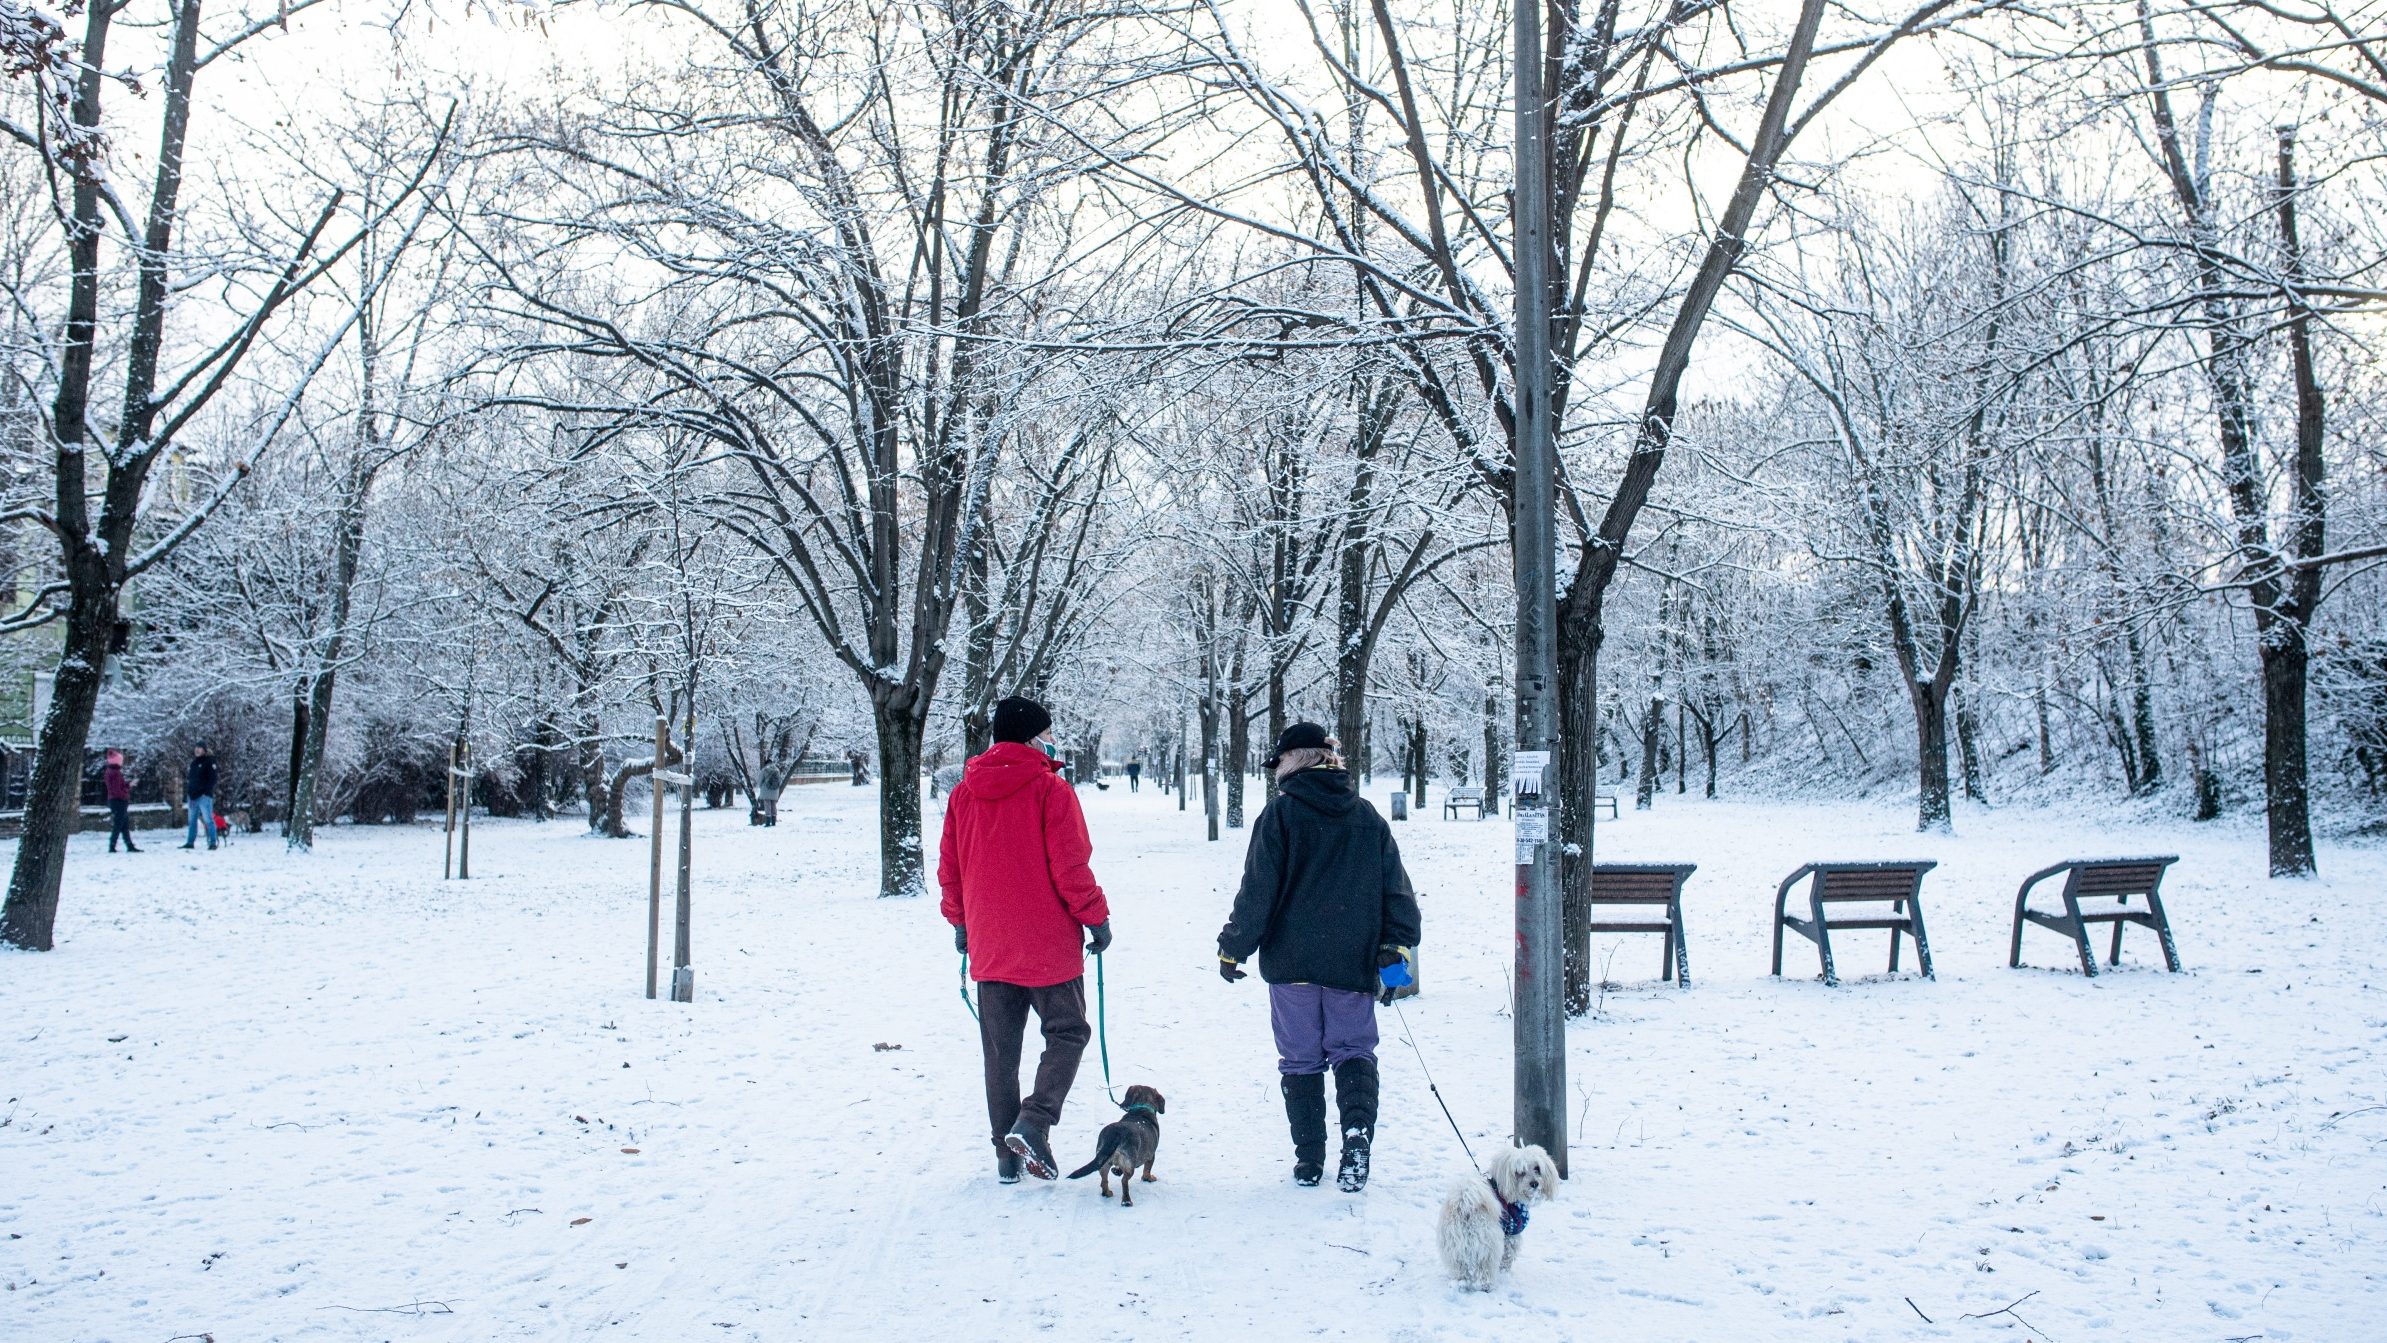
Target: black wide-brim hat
[{"x": 1300, "y": 736}]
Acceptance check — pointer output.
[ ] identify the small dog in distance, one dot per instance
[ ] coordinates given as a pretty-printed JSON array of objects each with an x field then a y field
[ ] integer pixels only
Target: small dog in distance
[
  {"x": 1129, "y": 1141},
  {"x": 1482, "y": 1219}
]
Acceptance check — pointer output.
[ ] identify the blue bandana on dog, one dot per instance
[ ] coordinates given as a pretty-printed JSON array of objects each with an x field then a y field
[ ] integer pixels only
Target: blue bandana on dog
[{"x": 1512, "y": 1215}]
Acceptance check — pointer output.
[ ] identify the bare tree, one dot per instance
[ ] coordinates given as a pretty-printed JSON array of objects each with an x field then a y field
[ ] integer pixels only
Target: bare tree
[{"x": 165, "y": 389}]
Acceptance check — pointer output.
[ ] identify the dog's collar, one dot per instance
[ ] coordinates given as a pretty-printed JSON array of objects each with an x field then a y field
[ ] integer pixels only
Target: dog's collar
[{"x": 1139, "y": 1105}]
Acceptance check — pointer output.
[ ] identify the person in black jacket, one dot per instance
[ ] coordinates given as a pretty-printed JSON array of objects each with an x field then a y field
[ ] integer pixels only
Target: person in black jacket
[
  {"x": 198, "y": 792},
  {"x": 1327, "y": 905}
]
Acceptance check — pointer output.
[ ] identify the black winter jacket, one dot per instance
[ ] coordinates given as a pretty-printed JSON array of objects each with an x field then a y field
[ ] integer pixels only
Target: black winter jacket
[
  {"x": 199, "y": 779},
  {"x": 1323, "y": 888}
]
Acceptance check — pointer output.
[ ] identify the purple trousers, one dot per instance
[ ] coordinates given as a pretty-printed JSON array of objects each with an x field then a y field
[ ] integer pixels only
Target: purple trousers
[{"x": 1317, "y": 1027}]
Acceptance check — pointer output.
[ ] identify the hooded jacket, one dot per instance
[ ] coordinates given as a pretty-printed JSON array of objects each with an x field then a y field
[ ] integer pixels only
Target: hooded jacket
[
  {"x": 1014, "y": 869},
  {"x": 198, "y": 777},
  {"x": 1323, "y": 888}
]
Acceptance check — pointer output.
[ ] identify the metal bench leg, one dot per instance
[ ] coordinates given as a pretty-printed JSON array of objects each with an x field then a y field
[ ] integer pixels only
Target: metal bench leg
[
  {"x": 1778, "y": 912},
  {"x": 1823, "y": 939},
  {"x": 1666, "y": 955},
  {"x": 2014, "y": 953},
  {"x": 2163, "y": 930},
  {"x": 1682, "y": 947},
  {"x": 1914, "y": 911},
  {"x": 2115, "y": 957},
  {"x": 1898, "y": 907},
  {"x": 2080, "y": 933}
]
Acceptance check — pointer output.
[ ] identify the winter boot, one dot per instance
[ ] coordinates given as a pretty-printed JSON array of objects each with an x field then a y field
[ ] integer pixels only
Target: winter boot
[
  {"x": 1355, "y": 1097},
  {"x": 1029, "y": 1142},
  {"x": 1006, "y": 1166},
  {"x": 1305, "y": 1110}
]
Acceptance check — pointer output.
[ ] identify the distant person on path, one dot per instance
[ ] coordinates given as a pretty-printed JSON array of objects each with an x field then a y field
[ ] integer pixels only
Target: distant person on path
[
  {"x": 1018, "y": 890},
  {"x": 198, "y": 791},
  {"x": 1135, "y": 775},
  {"x": 120, "y": 803},
  {"x": 1327, "y": 905}
]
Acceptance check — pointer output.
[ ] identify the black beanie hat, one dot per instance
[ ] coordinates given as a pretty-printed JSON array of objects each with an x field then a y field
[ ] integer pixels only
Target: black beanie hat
[
  {"x": 1020, "y": 719},
  {"x": 1297, "y": 737}
]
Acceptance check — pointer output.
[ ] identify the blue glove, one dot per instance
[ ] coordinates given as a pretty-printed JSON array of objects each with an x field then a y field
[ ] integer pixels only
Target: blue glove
[{"x": 1393, "y": 968}]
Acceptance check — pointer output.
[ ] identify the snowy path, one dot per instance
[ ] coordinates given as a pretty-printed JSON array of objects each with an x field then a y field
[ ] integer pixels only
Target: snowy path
[{"x": 261, "y": 1097}]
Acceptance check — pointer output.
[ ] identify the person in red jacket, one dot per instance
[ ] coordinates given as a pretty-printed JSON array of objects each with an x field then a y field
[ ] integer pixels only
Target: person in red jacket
[
  {"x": 120, "y": 802},
  {"x": 1013, "y": 866}
]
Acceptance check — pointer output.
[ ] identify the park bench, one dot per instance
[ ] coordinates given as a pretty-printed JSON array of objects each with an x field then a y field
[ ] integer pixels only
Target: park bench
[
  {"x": 1463, "y": 797},
  {"x": 2096, "y": 879},
  {"x": 1646, "y": 884},
  {"x": 1599, "y": 800},
  {"x": 1899, "y": 885}
]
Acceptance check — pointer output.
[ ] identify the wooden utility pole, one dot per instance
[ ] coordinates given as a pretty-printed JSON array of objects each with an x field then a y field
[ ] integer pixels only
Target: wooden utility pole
[
  {"x": 447, "y": 833},
  {"x": 654, "y": 884},
  {"x": 683, "y": 976},
  {"x": 1539, "y": 1011},
  {"x": 460, "y": 785}
]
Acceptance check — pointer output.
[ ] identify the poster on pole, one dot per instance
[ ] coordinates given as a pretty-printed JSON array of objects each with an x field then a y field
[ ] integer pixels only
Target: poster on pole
[{"x": 1525, "y": 778}]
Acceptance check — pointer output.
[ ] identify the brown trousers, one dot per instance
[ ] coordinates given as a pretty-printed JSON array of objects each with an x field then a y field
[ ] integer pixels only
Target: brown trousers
[{"x": 1002, "y": 1028}]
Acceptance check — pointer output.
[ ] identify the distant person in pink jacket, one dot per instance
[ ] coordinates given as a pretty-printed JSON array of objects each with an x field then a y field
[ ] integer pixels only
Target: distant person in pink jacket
[{"x": 120, "y": 803}]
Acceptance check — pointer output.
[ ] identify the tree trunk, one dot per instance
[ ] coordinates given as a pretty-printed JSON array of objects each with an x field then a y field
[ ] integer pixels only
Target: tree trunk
[
  {"x": 1209, "y": 715},
  {"x": 1493, "y": 780},
  {"x": 902, "y": 869},
  {"x": 1653, "y": 721},
  {"x": 1276, "y": 724},
  {"x": 1933, "y": 811},
  {"x": 1578, "y": 781},
  {"x": 300, "y": 828},
  {"x": 588, "y": 749},
  {"x": 54, "y": 796},
  {"x": 2046, "y": 738},
  {"x": 300, "y": 696},
  {"x": 1238, "y": 762},
  {"x": 1968, "y": 751},
  {"x": 2288, "y": 816}
]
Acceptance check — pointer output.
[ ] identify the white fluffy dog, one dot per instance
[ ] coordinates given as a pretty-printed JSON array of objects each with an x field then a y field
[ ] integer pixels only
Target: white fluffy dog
[{"x": 1482, "y": 1219}]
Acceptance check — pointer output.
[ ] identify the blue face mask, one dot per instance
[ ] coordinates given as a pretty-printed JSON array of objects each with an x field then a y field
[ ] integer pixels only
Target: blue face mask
[{"x": 1051, "y": 751}]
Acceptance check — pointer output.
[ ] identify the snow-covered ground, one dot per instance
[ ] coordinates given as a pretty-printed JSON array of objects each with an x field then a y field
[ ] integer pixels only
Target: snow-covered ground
[{"x": 252, "y": 1096}]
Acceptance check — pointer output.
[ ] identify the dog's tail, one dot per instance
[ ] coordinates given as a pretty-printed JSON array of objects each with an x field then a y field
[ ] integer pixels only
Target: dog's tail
[{"x": 1111, "y": 1142}]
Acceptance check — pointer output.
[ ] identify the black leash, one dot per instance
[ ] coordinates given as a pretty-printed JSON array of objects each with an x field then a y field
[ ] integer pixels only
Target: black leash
[{"x": 1411, "y": 1038}]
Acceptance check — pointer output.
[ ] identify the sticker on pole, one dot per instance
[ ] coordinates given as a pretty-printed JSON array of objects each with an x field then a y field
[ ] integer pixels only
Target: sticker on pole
[{"x": 1533, "y": 827}]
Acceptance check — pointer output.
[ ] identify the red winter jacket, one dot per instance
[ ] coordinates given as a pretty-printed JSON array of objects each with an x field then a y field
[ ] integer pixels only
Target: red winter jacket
[{"x": 1013, "y": 867}]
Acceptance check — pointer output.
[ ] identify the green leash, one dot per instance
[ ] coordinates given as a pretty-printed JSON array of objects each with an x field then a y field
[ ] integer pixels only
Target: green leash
[
  {"x": 1102, "y": 1024},
  {"x": 1102, "y": 1031}
]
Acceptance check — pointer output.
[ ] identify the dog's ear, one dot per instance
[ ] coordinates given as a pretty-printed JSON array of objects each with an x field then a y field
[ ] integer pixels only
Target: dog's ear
[{"x": 1160, "y": 1104}]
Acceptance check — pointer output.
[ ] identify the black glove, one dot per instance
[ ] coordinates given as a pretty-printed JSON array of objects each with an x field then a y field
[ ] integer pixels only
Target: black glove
[
  {"x": 1388, "y": 956},
  {"x": 1229, "y": 970},
  {"x": 961, "y": 939},
  {"x": 1098, "y": 937}
]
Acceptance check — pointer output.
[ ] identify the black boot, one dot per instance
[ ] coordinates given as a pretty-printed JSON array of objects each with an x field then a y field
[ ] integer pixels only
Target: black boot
[
  {"x": 1006, "y": 1166},
  {"x": 1355, "y": 1097},
  {"x": 1305, "y": 1110},
  {"x": 1029, "y": 1142}
]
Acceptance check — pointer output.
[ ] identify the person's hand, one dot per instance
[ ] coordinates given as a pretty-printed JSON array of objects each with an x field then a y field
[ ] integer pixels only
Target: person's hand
[
  {"x": 1229, "y": 971},
  {"x": 1098, "y": 937},
  {"x": 961, "y": 939},
  {"x": 1388, "y": 956}
]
